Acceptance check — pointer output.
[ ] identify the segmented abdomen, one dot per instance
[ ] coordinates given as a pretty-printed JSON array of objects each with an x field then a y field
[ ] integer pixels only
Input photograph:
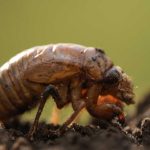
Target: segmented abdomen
[{"x": 14, "y": 95}]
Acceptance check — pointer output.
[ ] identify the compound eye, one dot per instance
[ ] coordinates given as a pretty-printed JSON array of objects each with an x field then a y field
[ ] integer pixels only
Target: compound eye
[{"x": 112, "y": 76}]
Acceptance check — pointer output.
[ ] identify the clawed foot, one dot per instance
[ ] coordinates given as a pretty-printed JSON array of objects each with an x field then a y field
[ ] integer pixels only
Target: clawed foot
[
  {"x": 57, "y": 132},
  {"x": 114, "y": 108}
]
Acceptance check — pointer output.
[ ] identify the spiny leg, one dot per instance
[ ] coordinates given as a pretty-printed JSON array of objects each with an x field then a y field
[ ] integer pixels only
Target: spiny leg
[
  {"x": 103, "y": 111},
  {"x": 78, "y": 119},
  {"x": 50, "y": 90}
]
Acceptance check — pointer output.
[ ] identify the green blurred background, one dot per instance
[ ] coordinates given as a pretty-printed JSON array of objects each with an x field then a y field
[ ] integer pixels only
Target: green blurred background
[{"x": 121, "y": 28}]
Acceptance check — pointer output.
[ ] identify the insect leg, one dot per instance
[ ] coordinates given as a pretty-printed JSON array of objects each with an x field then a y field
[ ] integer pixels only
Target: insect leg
[
  {"x": 71, "y": 118},
  {"x": 64, "y": 92},
  {"x": 76, "y": 93},
  {"x": 78, "y": 103},
  {"x": 103, "y": 111},
  {"x": 50, "y": 90}
]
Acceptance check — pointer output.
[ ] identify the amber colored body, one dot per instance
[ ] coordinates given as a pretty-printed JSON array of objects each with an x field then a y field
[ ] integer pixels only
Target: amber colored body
[{"x": 66, "y": 66}]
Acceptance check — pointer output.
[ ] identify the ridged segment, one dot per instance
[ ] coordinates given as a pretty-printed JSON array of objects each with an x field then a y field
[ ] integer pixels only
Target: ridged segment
[{"x": 14, "y": 96}]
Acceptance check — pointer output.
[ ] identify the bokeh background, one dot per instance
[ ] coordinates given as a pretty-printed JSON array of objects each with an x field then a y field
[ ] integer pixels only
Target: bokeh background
[{"x": 121, "y": 28}]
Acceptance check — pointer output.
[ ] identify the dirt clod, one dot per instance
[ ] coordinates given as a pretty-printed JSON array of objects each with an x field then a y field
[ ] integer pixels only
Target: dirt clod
[
  {"x": 76, "y": 137},
  {"x": 145, "y": 128},
  {"x": 98, "y": 135}
]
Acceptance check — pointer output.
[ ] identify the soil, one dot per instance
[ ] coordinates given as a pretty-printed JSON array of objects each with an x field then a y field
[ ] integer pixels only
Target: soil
[{"x": 98, "y": 135}]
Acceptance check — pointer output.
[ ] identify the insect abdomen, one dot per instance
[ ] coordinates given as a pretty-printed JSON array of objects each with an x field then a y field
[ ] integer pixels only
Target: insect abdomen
[{"x": 14, "y": 95}]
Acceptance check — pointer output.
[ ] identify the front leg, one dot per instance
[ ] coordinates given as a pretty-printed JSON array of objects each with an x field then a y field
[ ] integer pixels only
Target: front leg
[
  {"x": 50, "y": 90},
  {"x": 103, "y": 111}
]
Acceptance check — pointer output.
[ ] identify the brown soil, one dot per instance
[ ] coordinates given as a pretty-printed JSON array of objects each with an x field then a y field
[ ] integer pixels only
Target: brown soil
[{"x": 98, "y": 135}]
